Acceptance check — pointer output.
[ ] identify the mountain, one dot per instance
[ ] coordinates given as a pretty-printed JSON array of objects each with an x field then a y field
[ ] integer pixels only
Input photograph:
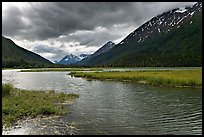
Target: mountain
[
  {"x": 55, "y": 62},
  {"x": 15, "y": 56},
  {"x": 72, "y": 59},
  {"x": 69, "y": 59},
  {"x": 173, "y": 38},
  {"x": 105, "y": 48},
  {"x": 82, "y": 56}
]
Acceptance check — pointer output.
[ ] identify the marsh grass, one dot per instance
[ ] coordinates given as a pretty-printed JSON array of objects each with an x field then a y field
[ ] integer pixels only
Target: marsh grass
[
  {"x": 174, "y": 78},
  {"x": 7, "y": 68},
  {"x": 6, "y": 88},
  {"x": 62, "y": 69},
  {"x": 20, "y": 104}
]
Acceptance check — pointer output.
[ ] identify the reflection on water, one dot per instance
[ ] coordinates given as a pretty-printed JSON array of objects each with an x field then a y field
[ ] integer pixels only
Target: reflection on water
[{"x": 107, "y": 107}]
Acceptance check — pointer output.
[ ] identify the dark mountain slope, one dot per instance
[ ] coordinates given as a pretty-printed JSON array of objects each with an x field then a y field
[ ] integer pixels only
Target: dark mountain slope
[
  {"x": 173, "y": 38},
  {"x": 15, "y": 56},
  {"x": 105, "y": 48}
]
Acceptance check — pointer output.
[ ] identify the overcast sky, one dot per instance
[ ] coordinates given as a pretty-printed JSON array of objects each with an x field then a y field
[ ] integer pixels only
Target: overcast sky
[{"x": 54, "y": 30}]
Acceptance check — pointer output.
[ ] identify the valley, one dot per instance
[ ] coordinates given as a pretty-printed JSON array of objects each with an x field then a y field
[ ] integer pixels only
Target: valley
[{"x": 83, "y": 75}]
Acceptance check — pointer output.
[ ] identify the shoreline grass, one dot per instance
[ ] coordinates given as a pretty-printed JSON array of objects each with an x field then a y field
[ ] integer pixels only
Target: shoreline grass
[
  {"x": 8, "y": 68},
  {"x": 19, "y": 104},
  {"x": 62, "y": 69},
  {"x": 172, "y": 78}
]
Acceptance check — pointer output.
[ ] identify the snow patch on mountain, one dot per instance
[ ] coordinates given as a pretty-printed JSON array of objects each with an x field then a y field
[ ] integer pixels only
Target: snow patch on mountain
[
  {"x": 181, "y": 10},
  {"x": 163, "y": 23},
  {"x": 72, "y": 59}
]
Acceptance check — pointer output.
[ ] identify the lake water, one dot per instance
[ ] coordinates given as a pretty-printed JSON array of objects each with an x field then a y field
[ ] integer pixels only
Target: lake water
[{"x": 108, "y": 107}]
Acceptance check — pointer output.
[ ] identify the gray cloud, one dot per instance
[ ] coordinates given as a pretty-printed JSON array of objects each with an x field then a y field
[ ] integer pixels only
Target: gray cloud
[
  {"x": 56, "y": 53},
  {"x": 84, "y": 24},
  {"x": 49, "y": 20},
  {"x": 11, "y": 23},
  {"x": 45, "y": 49}
]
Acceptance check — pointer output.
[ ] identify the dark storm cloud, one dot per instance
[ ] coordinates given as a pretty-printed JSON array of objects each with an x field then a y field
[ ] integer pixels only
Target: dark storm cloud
[
  {"x": 12, "y": 21},
  {"x": 49, "y": 20},
  {"x": 55, "y": 29},
  {"x": 91, "y": 38}
]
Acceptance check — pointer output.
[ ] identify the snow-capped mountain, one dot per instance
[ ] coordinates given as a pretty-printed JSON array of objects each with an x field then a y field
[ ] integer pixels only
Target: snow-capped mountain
[
  {"x": 82, "y": 56},
  {"x": 105, "y": 48},
  {"x": 72, "y": 59},
  {"x": 172, "y": 38},
  {"x": 163, "y": 23}
]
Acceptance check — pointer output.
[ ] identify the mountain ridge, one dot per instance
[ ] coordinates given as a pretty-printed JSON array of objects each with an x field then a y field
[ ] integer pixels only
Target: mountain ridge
[
  {"x": 72, "y": 59},
  {"x": 16, "y": 56},
  {"x": 162, "y": 37},
  {"x": 105, "y": 48}
]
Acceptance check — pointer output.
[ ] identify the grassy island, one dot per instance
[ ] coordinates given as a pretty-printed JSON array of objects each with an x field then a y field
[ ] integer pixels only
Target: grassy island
[
  {"x": 173, "y": 78},
  {"x": 19, "y": 104}
]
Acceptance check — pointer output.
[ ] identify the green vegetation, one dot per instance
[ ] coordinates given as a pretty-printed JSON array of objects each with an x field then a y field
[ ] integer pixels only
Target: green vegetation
[
  {"x": 14, "y": 56},
  {"x": 7, "y": 68},
  {"x": 6, "y": 88},
  {"x": 181, "y": 47},
  {"x": 62, "y": 69},
  {"x": 18, "y": 104},
  {"x": 173, "y": 78}
]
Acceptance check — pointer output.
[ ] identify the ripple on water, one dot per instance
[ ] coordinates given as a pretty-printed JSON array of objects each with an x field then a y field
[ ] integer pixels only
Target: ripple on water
[{"x": 114, "y": 107}]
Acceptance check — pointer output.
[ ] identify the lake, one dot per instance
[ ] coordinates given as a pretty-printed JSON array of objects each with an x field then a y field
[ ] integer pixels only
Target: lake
[{"x": 108, "y": 107}]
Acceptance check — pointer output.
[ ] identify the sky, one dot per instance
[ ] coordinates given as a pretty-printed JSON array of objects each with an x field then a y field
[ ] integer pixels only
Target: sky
[{"x": 55, "y": 29}]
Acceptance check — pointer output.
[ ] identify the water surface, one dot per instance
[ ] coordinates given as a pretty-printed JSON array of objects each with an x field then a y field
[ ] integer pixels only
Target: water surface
[{"x": 108, "y": 107}]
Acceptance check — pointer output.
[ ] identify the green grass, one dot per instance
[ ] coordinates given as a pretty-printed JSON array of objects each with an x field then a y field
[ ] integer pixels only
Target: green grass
[
  {"x": 62, "y": 69},
  {"x": 173, "y": 78},
  {"x": 19, "y": 104},
  {"x": 7, "y": 68},
  {"x": 6, "y": 88}
]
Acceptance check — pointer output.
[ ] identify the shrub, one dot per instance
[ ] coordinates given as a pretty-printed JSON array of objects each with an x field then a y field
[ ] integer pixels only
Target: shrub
[{"x": 6, "y": 89}]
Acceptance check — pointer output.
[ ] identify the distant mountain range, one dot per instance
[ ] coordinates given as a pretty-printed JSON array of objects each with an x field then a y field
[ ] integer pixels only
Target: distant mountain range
[
  {"x": 72, "y": 59},
  {"x": 83, "y": 58},
  {"x": 15, "y": 56},
  {"x": 173, "y": 38}
]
